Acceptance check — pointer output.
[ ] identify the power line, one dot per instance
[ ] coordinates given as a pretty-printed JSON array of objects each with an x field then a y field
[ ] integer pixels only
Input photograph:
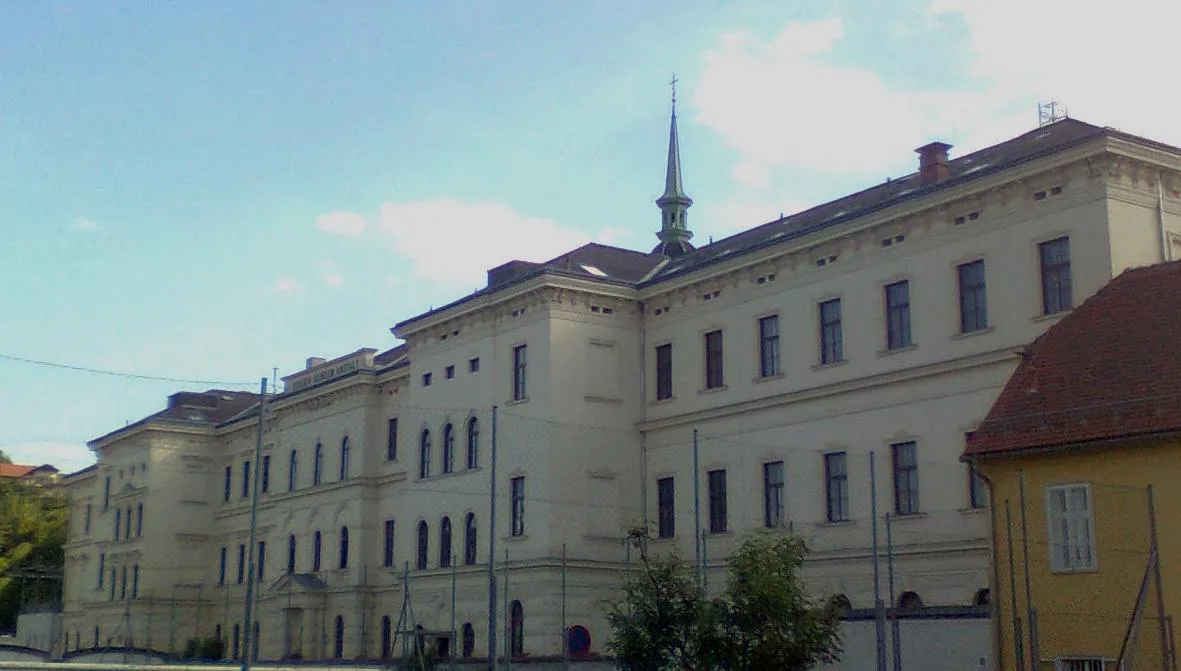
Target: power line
[{"x": 133, "y": 376}]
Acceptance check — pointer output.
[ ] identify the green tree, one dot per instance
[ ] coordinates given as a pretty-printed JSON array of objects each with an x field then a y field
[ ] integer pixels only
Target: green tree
[
  {"x": 32, "y": 534},
  {"x": 4, "y": 458},
  {"x": 764, "y": 619}
]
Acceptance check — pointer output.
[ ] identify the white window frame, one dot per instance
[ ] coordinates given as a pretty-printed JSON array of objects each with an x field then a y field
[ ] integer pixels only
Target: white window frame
[
  {"x": 1077, "y": 521},
  {"x": 1062, "y": 663}
]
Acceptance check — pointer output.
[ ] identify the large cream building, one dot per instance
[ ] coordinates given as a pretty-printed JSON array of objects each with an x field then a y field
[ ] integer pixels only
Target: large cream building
[{"x": 883, "y": 323}]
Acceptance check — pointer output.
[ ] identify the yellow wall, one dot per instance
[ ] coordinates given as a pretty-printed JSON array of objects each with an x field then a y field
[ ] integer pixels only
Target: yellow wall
[{"x": 1087, "y": 613}]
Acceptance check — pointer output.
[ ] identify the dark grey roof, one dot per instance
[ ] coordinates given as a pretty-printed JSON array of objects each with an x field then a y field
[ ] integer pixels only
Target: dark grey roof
[{"x": 207, "y": 408}]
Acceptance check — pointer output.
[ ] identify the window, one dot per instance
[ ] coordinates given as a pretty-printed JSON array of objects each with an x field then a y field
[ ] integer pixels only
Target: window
[
  {"x": 448, "y": 448},
  {"x": 836, "y": 487},
  {"x": 831, "y": 339},
  {"x": 255, "y": 643},
  {"x": 344, "y": 548},
  {"x": 86, "y": 520},
  {"x": 1056, "y": 288},
  {"x": 338, "y": 642},
  {"x": 292, "y": 470},
  {"x": 898, "y": 315},
  {"x": 773, "y": 494},
  {"x": 473, "y": 443},
  {"x": 127, "y": 528},
  {"x": 118, "y": 523},
  {"x": 245, "y": 479},
  {"x": 1069, "y": 517},
  {"x": 469, "y": 539},
  {"x": 123, "y": 587},
  {"x": 423, "y": 545},
  {"x": 449, "y": 371},
  {"x": 262, "y": 560},
  {"x": 473, "y": 365},
  {"x": 714, "y": 377},
  {"x": 424, "y": 454},
  {"x": 221, "y": 568},
  {"x": 717, "y": 501},
  {"x": 291, "y": 554},
  {"x": 517, "y": 488},
  {"x": 386, "y": 637},
  {"x": 906, "y": 478},
  {"x": 517, "y": 629},
  {"x": 469, "y": 639},
  {"x": 266, "y": 473},
  {"x": 237, "y": 637},
  {"x": 241, "y": 563},
  {"x": 973, "y": 299},
  {"x": 769, "y": 365},
  {"x": 387, "y": 555},
  {"x": 318, "y": 465},
  {"x": 317, "y": 538},
  {"x": 426, "y": 379},
  {"x": 135, "y": 581},
  {"x": 445, "y": 542},
  {"x": 664, "y": 372},
  {"x": 666, "y": 517},
  {"x": 111, "y": 597},
  {"x": 391, "y": 440},
  {"x": 106, "y": 493},
  {"x": 344, "y": 458},
  {"x": 519, "y": 389},
  {"x": 102, "y": 564},
  {"x": 1080, "y": 664},
  {"x": 139, "y": 520},
  {"x": 977, "y": 488},
  {"x": 229, "y": 483}
]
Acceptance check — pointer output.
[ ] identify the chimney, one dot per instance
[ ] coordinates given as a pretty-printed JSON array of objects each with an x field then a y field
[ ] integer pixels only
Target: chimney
[
  {"x": 314, "y": 361},
  {"x": 933, "y": 162}
]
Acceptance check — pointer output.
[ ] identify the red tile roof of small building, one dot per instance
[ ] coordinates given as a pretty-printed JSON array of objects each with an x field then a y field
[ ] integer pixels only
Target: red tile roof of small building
[
  {"x": 15, "y": 470},
  {"x": 1110, "y": 369}
]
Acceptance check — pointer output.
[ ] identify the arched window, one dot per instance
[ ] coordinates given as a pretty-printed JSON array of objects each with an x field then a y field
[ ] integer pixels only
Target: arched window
[
  {"x": 423, "y": 541},
  {"x": 424, "y": 454},
  {"x": 255, "y": 644},
  {"x": 344, "y": 458},
  {"x": 216, "y": 633},
  {"x": 292, "y": 467},
  {"x": 386, "y": 637},
  {"x": 517, "y": 633},
  {"x": 469, "y": 639},
  {"x": 127, "y": 530},
  {"x": 448, "y": 448},
  {"x": 909, "y": 601},
  {"x": 316, "y": 538},
  {"x": 318, "y": 465},
  {"x": 473, "y": 443},
  {"x": 344, "y": 547},
  {"x": 841, "y": 604},
  {"x": 469, "y": 539},
  {"x": 291, "y": 554},
  {"x": 123, "y": 589},
  {"x": 96, "y": 635},
  {"x": 338, "y": 643},
  {"x": 135, "y": 581},
  {"x": 445, "y": 542},
  {"x": 237, "y": 640},
  {"x": 983, "y": 597},
  {"x": 139, "y": 520}
]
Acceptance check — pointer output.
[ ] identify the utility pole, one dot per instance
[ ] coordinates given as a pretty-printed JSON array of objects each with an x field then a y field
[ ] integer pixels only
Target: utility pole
[
  {"x": 247, "y": 639},
  {"x": 697, "y": 557},
  {"x": 879, "y": 611},
  {"x": 492, "y": 552}
]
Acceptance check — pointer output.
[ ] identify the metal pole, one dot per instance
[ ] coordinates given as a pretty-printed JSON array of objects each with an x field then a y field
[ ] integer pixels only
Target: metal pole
[
  {"x": 879, "y": 610},
  {"x": 492, "y": 552},
  {"x": 697, "y": 556},
  {"x": 454, "y": 638},
  {"x": 1156, "y": 577},
  {"x": 1172, "y": 644},
  {"x": 895, "y": 627},
  {"x": 247, "y": 639},
  {"x": 1032, "y": 619},
  {"x": 1018, "y": 647},
  {"x": 508, "y": 623},
  {"x": 704, "y": 567},
  {"x": 565, "y": 632}
]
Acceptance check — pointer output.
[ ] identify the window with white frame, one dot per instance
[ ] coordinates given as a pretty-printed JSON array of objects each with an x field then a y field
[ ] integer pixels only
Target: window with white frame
[
  {"x": 1070, "y": 519},
  {"x": 1082, "y": 664}
]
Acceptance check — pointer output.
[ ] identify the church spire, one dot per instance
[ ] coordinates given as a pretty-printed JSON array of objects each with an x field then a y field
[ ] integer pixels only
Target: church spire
[{"x": 674, "y": 235}]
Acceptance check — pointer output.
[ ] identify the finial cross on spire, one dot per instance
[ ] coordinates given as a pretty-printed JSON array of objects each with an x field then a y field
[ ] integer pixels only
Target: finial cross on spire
[{"x": 673, "y": 84}]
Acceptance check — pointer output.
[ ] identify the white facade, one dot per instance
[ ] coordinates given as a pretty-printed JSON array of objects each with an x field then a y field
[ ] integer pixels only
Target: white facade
[{"x": 591, "y": 438}]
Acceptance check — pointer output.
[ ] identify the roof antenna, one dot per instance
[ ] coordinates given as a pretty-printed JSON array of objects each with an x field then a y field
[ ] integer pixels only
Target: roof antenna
[{"x": 1047, "y": 113}]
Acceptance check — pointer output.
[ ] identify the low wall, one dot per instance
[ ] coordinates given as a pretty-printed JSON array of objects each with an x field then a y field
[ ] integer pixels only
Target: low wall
[
  {"x": 928, "y": 642},
  {"x": 10, "y": 652}
]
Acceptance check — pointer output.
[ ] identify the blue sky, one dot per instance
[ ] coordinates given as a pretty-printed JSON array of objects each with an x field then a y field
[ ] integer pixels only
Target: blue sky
[{"x": 210, "y": 190}]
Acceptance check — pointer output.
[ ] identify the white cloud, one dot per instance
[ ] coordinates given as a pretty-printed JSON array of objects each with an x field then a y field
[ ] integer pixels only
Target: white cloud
[
  {"x": 66, "y": 457},
  {"x": 84, "y": 224},
  {"x": 348, "y": 224},
  {"x": 286, "y": 285},
  {"x": 333, "y": 279},
  {"x": 740, "y": 214}
]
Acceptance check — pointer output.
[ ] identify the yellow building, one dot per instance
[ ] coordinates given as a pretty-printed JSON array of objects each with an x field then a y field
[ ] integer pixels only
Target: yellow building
[{"x": 1082, "y": 447}]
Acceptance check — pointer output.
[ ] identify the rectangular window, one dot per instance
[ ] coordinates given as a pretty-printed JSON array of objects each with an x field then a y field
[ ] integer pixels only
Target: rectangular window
[
  {"x": 717, "y": 501},
  {"x": 229, "y": 484},
  {"x": 266, "y": 474},
  {"x": 391, "y": 439},
  {"x": 118, "y": 523},
  {"x": 1056, "y": 287},
  {"x": 449, "y": 371},
  {"x": 666, "y": 506},
  {"x": 518, "y": 506},
  {"x": 519, "y": 389},
  {"x": 769, "y": 365},
  {"x": 898, "y": 315},
  {"x": 714, "y": 372},
  {"x": 245, "y": 479},
  {"x": 102, "y": 567},
  {"x": 836, "y": 486},
  {"x": 106, "y": 492},
  {"x": 831, "y": 344},
  {"x": 221, "y": 568},
  {"x": 664, "y": 372},
  {"x": 906, "y": 477},
  {"x": 773, "y": 494},
  {"x": 1080, "y": 664},
  {"x": 426, "y": 379},
  {"x": 1070, "y": 519},
  {"x": 262, "y": 559},
  {"x": 977, "y": 489},
  {"x": 388, "y": 548},
  {"x": 973, "y": 298},
  {"x": 86, "y": 520},
  {"x": 473, "y": 365},
  {"x": 241, "y": 563}
]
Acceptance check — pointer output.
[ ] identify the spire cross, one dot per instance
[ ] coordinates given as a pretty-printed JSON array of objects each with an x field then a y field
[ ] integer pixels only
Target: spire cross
[{"x": 673, "y": 84}]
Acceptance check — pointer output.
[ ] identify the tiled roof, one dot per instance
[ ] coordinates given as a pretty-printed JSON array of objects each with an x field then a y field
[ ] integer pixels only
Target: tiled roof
[
  {"x": 1110, "y": 369},
  {"x": 15, "y": 470},
  {"x": 205, "y": 408}
]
